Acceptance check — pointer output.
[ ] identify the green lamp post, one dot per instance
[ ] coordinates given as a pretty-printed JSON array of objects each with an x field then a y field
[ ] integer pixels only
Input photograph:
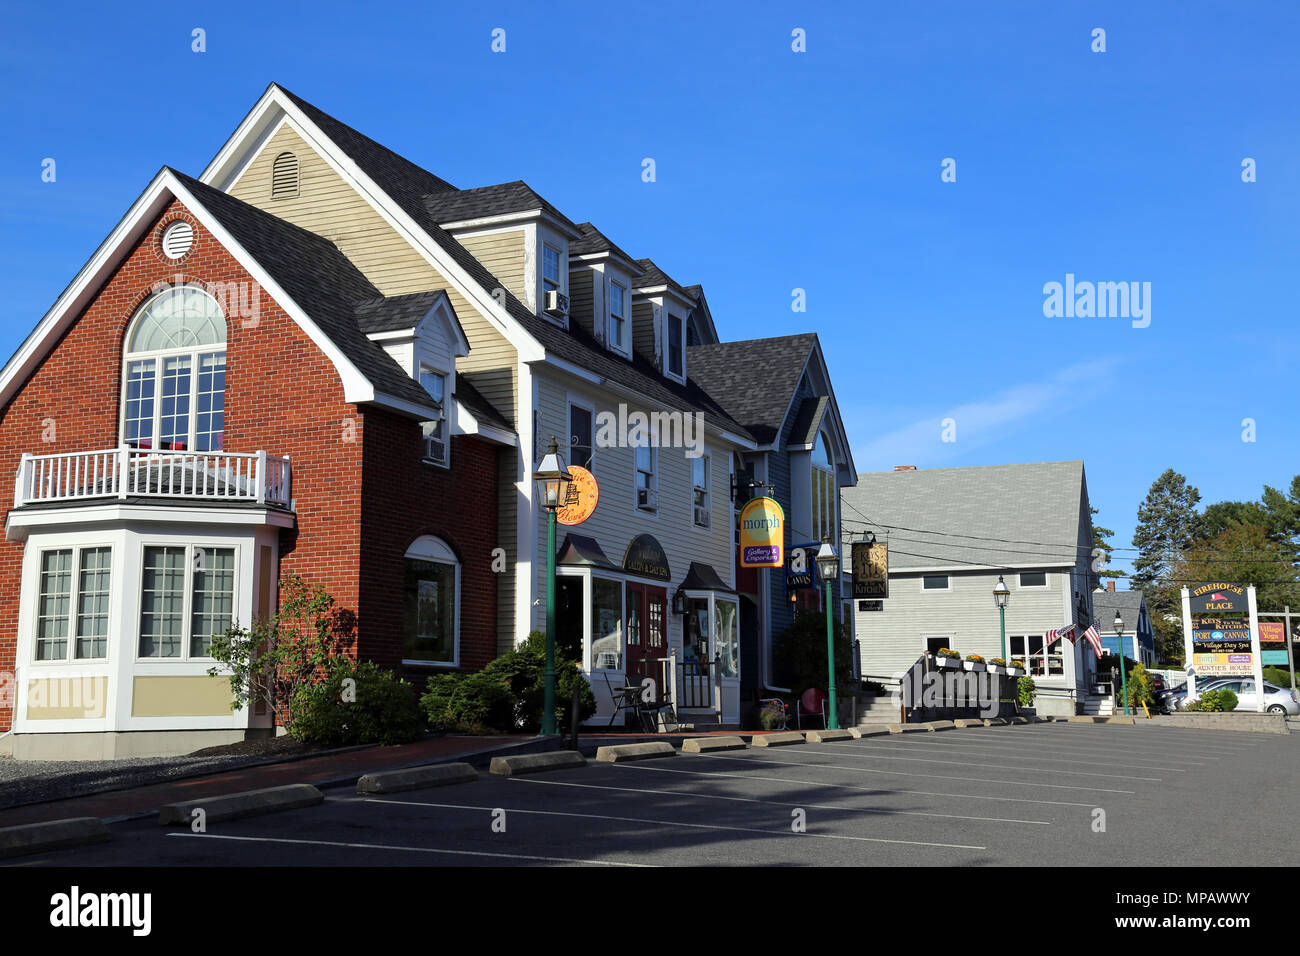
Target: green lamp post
[
  {"x": 1123, "y": 678},
  {"x": 1000, "y": 594},
  {"x": 828, "y": 567},
  {"x": 552, "y": 479}
]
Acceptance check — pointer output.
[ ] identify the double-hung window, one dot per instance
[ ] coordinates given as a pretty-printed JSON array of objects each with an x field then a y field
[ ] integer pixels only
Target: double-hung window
[
  {"x": 700, "y": 481},
  {"x": 676, "y": 352},
  {"x": 174, "y": 375},
  {"x": 580, "y": 451},
  {"x": 187, "y": 595},
  {"x": 72, "y": 603},
  {"x": 550, "y": 271},
  {"x": 435, "y": 431},
  {"x": 617, "y": 317},
  {"x": 645, "y": 478}
]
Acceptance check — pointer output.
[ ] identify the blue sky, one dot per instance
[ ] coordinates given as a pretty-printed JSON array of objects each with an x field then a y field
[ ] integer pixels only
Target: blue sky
[{"x": 778, "y": 170}]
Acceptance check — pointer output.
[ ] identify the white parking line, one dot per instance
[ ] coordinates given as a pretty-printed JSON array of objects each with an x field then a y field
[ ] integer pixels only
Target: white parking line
[
  {"x": 849, "y": 786},
  {"x": 674, "y": 823},
  {"x": 1017, "y": 750},
  {"x": 845, "y": 752},
  {"x": 407, "y": 849},
  {"x": 1134, "y": 747},
  {"x": 900, "y": 773},
  {"x": 779, "y": 803}
]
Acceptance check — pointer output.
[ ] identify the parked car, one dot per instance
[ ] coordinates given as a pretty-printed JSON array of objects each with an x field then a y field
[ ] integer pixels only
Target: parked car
[{"x": 1276, "y": 699}]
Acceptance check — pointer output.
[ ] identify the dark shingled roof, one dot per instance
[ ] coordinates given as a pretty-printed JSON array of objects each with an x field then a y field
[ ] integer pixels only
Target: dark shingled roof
[
  {"x": 394, "y": 313},
  {"x": 594, "y": 241},
  {"x": 485, "y": 201},
  {"x": 1112, "y": 601},
  {"x": 655, "y": 277},
  {"x": 478, "y": 406},
  {"x": 757, "y": 378},
  {"x": 404, "y": 181},
  {"x": 317, "y": 276}
]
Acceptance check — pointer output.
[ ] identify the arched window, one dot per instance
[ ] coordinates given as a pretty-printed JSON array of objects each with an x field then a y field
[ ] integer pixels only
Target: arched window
[
  {"x": 825, "y": 492},
  {"x": 431, "y": 604},
  {"x": 174, "y": 373},
  {"x": 284, "y": 176}
]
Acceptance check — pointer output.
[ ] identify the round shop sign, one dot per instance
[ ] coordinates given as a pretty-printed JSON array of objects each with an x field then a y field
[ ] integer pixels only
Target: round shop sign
[
  {"x": 762, "y": 534},
  {"x": 580, "y": 500}
]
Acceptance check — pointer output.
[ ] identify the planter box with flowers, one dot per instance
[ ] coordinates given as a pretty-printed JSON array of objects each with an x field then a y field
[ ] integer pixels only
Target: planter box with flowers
[
  {"x": 997, "y": 665},
  {"x": 1016, "y": 668},
  {"x": 974, "y": 663},
  {"x": 947, "y": 658}
]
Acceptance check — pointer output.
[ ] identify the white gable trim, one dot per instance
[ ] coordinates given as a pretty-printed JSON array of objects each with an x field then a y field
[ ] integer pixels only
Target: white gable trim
[{"x": 238, "y": 150}]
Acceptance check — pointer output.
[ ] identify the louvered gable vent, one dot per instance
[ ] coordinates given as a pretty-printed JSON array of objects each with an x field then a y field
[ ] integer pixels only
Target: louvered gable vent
[{"x": 284, "y": 176}]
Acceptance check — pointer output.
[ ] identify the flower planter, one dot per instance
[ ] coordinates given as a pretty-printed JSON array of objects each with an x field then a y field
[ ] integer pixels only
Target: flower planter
[
  {"x": 1015, "y": 672},
  {"x": 976, "y": 666},
  {"x": 949, "y": 663},
  {"x": 996, "y": 669}
]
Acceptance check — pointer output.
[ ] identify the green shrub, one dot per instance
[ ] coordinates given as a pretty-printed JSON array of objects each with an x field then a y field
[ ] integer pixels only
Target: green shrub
[
  {"x": 508, "y": 694},
  {"x": 1278, "y": 676},
  {"x": 1227, "y": 700},
  {"x": 800, "y": 654},
  {"x": 1140, "y": 688},
  {"x": 1216, "y": 701},
  {"x": 364, "y": 704},
  {"x": 1026, "y": 690}
]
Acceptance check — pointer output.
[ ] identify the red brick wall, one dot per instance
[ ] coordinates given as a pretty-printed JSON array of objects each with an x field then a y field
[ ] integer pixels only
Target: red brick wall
[
  {"x": 282, "y": 395},
  {"x": 404, "y": 498}
]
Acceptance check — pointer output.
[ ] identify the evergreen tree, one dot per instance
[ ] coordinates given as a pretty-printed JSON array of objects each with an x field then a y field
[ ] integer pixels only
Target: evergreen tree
[{"x": 1167, "y": 526}]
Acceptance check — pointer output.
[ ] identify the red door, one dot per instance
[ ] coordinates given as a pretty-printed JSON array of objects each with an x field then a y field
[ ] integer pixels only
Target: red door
[{"x": 647, "y": 632}]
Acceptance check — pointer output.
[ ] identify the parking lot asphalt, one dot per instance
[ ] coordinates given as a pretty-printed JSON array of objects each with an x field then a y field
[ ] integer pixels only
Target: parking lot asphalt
[{"x": 1044, "y": 794}]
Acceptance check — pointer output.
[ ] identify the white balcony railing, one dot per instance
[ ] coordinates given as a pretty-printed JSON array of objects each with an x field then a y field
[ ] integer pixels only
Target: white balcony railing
[{"x": 127, "y": 472}]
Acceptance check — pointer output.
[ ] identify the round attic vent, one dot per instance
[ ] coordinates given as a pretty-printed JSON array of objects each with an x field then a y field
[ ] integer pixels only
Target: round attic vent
[{"x": 177, "y": 239}]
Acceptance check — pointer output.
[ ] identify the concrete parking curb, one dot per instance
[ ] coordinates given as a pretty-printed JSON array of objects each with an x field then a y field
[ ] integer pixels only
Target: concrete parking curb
[
  {"x": 54, "y": 835},
  {"x": 703, "y": 745},
  {"x": 778, "y": 740},
  {"x": 827, "y": 736},
  {"x": 415, "y": 778},
  {"x": 536, "y": 763},
  {"x": 1085, "y": 719},
  {"x": 908, "y": 728},
  {"x": 964, "y": 723},
  {"x": 939, "y": 725},
  {"x": 869, "y": 730},
  {"x": 995, "y": 721},
  {"x": 624, "y": 752},
  {"x": 1018, "y": 720},
  {"x": 1121, "y": 719},
  {"x": 234, "y": 806}
]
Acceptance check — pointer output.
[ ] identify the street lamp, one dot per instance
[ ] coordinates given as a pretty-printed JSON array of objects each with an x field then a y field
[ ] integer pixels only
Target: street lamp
[
  {"x": 1000, "y": 595},
  {"x": 828, "y": 566},
  {"x": 1123, "y": 679},
  {"x": 552, "y": 479}
]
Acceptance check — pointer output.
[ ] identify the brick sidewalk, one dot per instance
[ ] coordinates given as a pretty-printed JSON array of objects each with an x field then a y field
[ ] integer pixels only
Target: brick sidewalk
[{"x": 123, "y": 803}]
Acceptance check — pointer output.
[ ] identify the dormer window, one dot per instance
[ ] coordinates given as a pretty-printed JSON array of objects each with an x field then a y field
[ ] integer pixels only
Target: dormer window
[
  {"x": 618, "y": 318},
  {"x": 550, "y": 269},
  {"x": 435, "y": 430},
  {"x": 676, "y": 346},
  {"x": 174, "y": 373},
  {"x": 825, "y": 492}
]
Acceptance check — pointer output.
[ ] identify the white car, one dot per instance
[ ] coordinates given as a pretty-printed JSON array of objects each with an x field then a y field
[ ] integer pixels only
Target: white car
[{"x": 1277, "y": 700}]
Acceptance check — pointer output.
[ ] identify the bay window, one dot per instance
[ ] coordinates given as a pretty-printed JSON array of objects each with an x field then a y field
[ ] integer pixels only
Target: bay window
[
  {"x": 187, "y": 595},
  {"x": 72, "y": 604}
]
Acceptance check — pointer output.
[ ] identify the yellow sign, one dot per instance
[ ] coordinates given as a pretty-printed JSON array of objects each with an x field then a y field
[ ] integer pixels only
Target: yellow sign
[
  {"x": 762, "y": 534},
  {"x": 580, "y": 500}
]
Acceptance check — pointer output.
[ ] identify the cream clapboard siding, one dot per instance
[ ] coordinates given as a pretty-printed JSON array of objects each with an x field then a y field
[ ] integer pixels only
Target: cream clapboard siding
[
  {"x": 503, "y": 254},
  {"x": 328, "y": 206},
  {"x": 617, "y": 520},
  {"x": 892, "y": 639}
]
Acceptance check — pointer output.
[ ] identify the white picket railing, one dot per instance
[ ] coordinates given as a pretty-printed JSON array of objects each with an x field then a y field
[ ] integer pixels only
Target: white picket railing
[{"x": 136, "y": 472}]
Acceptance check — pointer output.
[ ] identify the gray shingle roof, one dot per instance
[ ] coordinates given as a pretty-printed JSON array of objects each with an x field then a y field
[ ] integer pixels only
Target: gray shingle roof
[
  {"x": 1125, "y": 602},
  {"x": 594, "y": 241},
  {"x": 995, "y": 516},
  {"x": 653, "y": 277},
  {"x": 478, "y": 406},
  {"x": 484, "y": 201},
  {"x": 754, "y": 379},
  {"x": 317, "y": 276},
  {"x": 394, "y": 313},
  {"x": 404, "y": 181}
]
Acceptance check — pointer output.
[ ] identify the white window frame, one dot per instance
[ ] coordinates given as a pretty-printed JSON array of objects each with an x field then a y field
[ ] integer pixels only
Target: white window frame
[
  {"x": 434, "y": 550},
  {"x": 819, "y": 477},
  {"x": 653, "y": 508},
  {"x": 589, "y": 622},
  {"x": 1021, "y": 585},
  {"x": 444, "y": 419},
  {"x": 668, "y": 331},
  {"x": 566, "y": 445},
  {"x": 948, "y": 637},
  {"x": 159, "y": 357},
  {"x": 947, "y": 583},
  {"x": 623, "y": 345},
  {"x": 70, "y": 658},
  {"x": 707, "y": 491},
  {"x": 188, "y": 621}
]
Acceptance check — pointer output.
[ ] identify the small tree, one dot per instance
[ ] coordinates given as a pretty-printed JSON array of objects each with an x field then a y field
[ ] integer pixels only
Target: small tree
[
  {"x": 800, "y": 654},
  {"x": 272, "y": 660}
]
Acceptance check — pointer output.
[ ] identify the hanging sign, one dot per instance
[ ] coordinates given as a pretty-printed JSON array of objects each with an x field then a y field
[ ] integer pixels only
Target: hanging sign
[
  {"x": 801, "y": 566},
  {"x": 762, "y": 534},
  {"x": 870, "y": 569},
  {"x": 580, "y": 500}
]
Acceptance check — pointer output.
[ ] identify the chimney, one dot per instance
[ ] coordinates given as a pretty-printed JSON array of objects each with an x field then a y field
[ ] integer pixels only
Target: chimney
[
  {"x": 905, "y": 468},
  {"x": 1110, "y": 586}
]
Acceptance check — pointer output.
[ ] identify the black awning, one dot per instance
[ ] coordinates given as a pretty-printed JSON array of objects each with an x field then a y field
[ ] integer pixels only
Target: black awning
[
  {"x": 702, "y": 577},
  {"x": 584, "y": 552}
]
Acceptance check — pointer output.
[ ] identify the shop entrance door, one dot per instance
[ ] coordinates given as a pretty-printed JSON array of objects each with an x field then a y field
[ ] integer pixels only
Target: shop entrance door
[{"x": 647, "y": 632}]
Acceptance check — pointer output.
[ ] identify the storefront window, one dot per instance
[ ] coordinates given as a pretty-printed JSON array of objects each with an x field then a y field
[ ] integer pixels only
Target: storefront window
[
  {"x": 696, "y": 642},
  {"x": 430, "y": 591},
  {"x": 725, "y": 638},
  {"x": 606, "y": 624}
]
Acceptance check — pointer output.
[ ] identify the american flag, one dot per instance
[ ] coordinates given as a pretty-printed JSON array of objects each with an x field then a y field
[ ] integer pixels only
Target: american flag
[
  {"x": 1094, "y": 639},
  {"x": 1056, "y": 633}
]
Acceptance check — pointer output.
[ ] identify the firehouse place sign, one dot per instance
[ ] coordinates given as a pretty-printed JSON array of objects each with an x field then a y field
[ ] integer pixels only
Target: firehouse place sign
[
  {"x": 762, "y": 534},
  {"x": 1218, "y": 599},
  {"x": 580, "y": 499},
  {"x": 645, "y": 556}
]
